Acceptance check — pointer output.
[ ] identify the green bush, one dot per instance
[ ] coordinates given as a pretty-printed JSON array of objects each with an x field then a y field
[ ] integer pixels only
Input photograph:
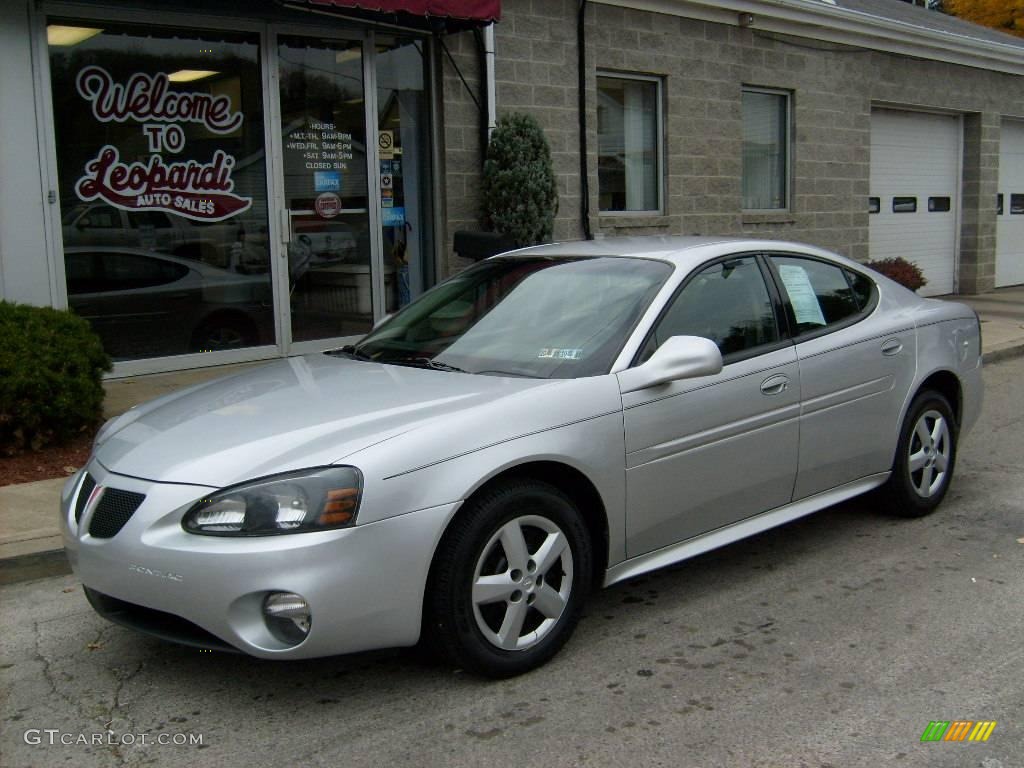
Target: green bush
[
  {"x": 51, "y": 369},
  {"x": 520, "y": 194}
]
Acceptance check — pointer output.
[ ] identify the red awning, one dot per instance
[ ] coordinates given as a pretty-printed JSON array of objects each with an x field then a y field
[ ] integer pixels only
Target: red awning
[{"x": 473, "y": 10}]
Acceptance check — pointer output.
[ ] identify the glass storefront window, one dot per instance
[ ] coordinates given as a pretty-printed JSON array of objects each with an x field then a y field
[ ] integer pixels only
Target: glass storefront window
[
  {"x": 166, "y": 171},
  {"x": 160, "y": 151}
]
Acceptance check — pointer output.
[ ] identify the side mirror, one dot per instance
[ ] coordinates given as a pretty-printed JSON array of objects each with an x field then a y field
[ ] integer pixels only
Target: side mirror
[
  {"x": 83, "y": 223},
  {"x": 680, "y": 357}
]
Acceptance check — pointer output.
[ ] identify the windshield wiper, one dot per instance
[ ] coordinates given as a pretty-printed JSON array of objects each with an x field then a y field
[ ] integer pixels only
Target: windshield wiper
[
  {"x": 426, "y": 362},
  {"x": 351, "y": 351}
]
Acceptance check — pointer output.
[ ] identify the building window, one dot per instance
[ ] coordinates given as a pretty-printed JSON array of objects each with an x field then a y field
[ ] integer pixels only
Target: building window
[
  {"x": 629, "y": 141},
  {"x": 765, "y": 149}
]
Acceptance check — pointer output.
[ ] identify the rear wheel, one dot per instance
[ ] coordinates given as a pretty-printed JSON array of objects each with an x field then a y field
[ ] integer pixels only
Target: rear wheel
[
  {"x": 510, "y": 580},
  {"x": 925, "y": 457}
]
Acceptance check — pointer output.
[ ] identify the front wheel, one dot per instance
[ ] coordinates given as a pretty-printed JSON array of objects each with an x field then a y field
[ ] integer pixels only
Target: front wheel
[
  {"x": 925, "y": 457},
  {"x": 510, "y": 580}
]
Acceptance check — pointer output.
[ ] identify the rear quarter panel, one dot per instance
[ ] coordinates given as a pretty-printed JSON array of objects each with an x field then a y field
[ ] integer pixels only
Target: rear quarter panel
[{"x": 949, "y": 339}]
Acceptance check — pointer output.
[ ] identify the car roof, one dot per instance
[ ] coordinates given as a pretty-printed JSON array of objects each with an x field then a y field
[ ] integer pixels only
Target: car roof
[{"x": 682, "y": 251}]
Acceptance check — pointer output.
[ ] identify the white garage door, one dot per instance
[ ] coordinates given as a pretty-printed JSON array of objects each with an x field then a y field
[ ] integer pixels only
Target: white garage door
[
  {"x": 1010, "y": 216},
  {"x": 914, "y": 192}
]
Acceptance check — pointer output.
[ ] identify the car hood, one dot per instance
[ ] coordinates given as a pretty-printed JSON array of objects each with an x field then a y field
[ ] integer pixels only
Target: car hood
[{"x": 290, "y": 414}]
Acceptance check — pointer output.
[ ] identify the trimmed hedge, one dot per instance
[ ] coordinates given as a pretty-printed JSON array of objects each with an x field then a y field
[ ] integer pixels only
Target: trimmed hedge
[{"x": 51, "y": 376}]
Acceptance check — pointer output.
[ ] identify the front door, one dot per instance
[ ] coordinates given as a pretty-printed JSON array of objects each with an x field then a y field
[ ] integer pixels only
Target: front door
[{"x": 706, "y": 452}]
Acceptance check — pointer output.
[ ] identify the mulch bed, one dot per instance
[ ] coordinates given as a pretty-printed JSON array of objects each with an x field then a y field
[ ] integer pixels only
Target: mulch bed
[{"x": 52, "y": 461}]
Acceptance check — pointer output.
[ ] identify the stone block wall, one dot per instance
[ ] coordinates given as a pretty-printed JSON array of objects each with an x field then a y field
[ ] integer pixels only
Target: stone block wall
[{"x": 704, "y": 66}]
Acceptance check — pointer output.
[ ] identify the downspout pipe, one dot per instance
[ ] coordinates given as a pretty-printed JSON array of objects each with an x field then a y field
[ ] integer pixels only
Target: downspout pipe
[
  {"x": 489, "y": 77},
  {"x": 581, "y": 66},
  {"x": 488, "y": 99}
]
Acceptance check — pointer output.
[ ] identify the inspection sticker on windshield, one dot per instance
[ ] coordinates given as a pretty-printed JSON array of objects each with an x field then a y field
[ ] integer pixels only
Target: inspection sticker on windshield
[{"x": 561, "y": 354}]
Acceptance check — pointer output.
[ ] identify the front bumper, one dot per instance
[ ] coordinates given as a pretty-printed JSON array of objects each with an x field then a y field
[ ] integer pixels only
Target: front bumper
[{"x": 364, "y": 584}]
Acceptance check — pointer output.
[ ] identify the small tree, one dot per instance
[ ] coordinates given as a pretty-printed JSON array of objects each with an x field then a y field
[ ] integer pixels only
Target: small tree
[
  {"x": 1004, "y": 15},
  {"x": 520, "y": 194}
]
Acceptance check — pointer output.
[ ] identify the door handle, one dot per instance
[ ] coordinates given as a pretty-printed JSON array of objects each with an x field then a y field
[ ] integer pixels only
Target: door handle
[
  {"x": 775, "y": 385},
  {"x": 286, "y": 228},
  {"x": 892, "y": 347}
]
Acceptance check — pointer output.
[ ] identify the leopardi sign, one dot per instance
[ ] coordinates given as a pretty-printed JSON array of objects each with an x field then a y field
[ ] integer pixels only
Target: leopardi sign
[{"x": 201, "y": 191}]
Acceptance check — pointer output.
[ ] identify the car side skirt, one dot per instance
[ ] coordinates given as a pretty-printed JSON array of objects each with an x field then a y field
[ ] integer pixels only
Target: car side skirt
[{"x": 720, "y": 537}]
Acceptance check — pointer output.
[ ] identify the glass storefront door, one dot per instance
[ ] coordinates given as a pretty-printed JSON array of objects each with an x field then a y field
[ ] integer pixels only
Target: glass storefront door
[
  {"x": 323, "y": 137},
  {"x": 356, "y": 175},
  {"x": 253, "y": 192}
]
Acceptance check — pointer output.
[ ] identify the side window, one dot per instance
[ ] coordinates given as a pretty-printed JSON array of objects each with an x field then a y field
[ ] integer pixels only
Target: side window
[
  {"x": 728, "y": 303},
  {"x": 126, "y": 272},
  {"x": 819, "y": 293},
  {"x": 100, "y": 217},
  {"x": 155, "y": 219}
]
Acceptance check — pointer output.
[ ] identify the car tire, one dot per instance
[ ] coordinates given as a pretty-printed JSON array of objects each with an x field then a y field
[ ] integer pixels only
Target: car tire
[
  {"x": 925, "y": 458},
  {"x": 509, "y": 580},
  {"x": 222, "y": 332}
]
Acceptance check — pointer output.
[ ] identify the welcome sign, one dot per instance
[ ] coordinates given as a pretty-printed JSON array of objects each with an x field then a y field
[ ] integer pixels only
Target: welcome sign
[{"x": 195, "y": 190}]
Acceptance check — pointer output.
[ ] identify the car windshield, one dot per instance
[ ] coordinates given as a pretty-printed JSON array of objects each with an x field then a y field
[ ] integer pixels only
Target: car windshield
[{"x": 549, "y": 318}]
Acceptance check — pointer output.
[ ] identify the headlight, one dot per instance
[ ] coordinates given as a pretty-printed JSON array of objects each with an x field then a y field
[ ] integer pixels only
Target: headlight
[{"x": 296, "y": 502}]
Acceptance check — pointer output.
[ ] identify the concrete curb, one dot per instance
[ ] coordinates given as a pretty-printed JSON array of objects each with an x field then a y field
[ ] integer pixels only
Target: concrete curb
[
  {"x": 1007, "y": 352},
  {"x": 38, "y": 565}
]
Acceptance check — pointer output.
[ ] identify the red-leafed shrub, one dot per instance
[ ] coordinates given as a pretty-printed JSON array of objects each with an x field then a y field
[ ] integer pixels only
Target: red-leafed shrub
[{"x": 904, "y": 272}]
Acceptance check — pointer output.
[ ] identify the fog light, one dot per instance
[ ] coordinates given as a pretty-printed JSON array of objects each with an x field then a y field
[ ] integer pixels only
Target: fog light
[{"x": 288, "y": 616}]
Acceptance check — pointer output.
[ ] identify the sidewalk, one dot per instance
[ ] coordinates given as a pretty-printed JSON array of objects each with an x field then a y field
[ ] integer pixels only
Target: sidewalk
[
  {"x": 1002, "y": 321},
  {"x": 29, "y": 537}
]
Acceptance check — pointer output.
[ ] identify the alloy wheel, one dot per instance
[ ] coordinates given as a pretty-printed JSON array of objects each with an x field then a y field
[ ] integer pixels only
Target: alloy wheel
[
  {"x": 522, "y": 582},
  {"x": 929, "y": 454}
]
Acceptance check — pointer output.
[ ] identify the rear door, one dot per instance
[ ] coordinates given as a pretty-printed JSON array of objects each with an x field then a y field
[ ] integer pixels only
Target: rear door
[
  {"x": 857, "y": 362},
  {"x": 703, "y": 453}
]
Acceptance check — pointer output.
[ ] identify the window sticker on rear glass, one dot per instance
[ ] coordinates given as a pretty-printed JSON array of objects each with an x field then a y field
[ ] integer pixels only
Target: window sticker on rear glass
[
  {"x": 801, "y": 294},
  {"x": 560, "y": 354}
]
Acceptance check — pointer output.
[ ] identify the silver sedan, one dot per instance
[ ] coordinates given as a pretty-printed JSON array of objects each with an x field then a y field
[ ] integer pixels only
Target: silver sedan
[{"x": 547, "y": 421}]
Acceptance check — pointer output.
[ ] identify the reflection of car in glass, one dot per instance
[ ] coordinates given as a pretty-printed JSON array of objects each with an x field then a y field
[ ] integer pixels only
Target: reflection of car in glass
[
  {"x": 225, "y": 244},
  {"x": 325, "y": 245},
  {"x": 553, "y": 418},
  {"x": 146, "y": 304}
]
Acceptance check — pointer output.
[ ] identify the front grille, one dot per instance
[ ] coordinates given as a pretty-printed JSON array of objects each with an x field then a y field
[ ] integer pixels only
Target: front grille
[
  {"x": 114, "y": 509},
  {"x": 83, "y": 496}
]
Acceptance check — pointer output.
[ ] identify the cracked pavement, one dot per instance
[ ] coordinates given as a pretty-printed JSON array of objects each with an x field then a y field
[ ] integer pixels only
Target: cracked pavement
[{"x": 832, "y": 641}]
